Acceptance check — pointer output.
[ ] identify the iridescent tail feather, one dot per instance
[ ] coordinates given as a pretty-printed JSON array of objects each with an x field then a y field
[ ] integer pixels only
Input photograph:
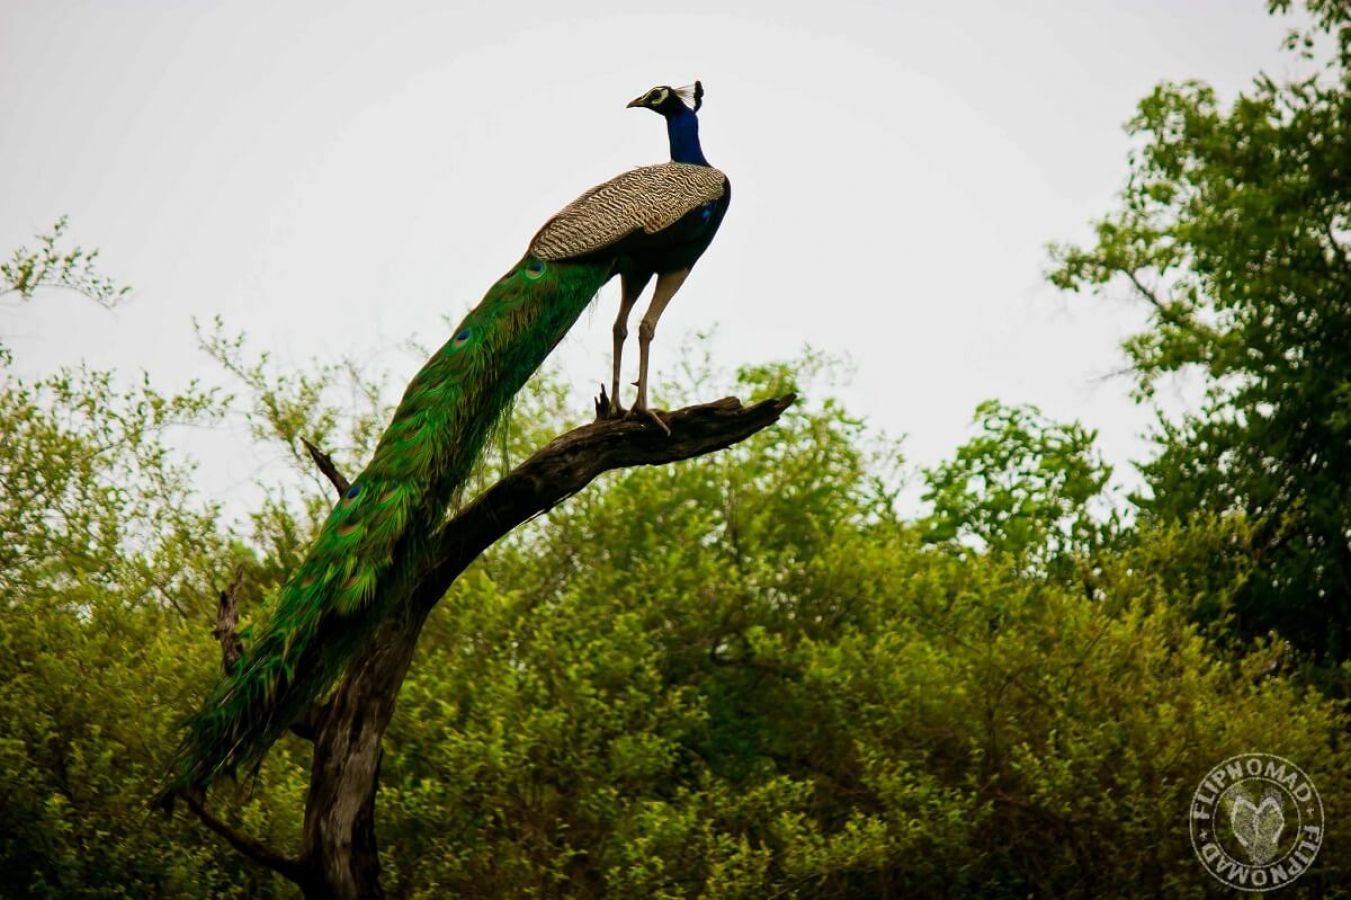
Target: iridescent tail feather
[{"x": 373, "y": 538}]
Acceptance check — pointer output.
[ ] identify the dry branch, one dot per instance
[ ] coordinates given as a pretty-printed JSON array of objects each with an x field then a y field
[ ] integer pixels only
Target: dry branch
[
  {"x": 325, "y": 464},
  {"x": 227, "y": 623},
  {"x": 339, "y": 855},
  {"x": 248, "y": 846}
]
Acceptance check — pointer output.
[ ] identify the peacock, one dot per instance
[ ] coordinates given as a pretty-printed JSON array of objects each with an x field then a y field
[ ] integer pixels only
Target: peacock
[{"x": 652, "y": 221}]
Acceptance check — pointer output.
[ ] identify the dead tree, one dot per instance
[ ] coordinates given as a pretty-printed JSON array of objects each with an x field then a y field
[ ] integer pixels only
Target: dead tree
[{"x": 339, "y": 853}]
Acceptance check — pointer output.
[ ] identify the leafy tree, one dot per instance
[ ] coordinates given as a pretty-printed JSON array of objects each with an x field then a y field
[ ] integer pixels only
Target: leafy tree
[
  {"x": 1234, "y": 229},
  {"x": 27, "y": 272},
  {"x": 1024, "y": 487},
  {"x": 109, "y": 563}
]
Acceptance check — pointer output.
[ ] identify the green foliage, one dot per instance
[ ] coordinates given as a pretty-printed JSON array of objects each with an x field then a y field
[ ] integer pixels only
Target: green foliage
[
  {"x": 732, "y": 677},
  {"x": 29, "y": 271},
  {"x": 748, "y": 675},
  {"x": 1234, "y": 228},
  {"x": 1022, "y": 487},
  {"x": 109, "y": 564},
  {"x": 81, "y": 459},
  {"x": 738, "y": 676}
]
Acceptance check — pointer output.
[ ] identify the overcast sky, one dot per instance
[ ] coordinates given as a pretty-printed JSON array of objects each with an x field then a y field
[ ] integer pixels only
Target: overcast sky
[{"x": 337, "y": 177}]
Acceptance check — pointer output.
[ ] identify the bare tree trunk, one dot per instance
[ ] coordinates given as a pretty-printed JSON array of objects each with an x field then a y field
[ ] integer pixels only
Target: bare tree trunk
[{"x": 338, "y": 844}]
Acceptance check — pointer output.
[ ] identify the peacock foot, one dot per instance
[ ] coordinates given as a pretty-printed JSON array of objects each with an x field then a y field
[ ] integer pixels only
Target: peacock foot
[{"x": 643, "y": 412}]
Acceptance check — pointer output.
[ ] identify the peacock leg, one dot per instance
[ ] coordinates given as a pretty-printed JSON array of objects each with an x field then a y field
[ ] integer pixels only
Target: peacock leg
[
  {"x": 630, "y": 286},
  {"x": 667, "y": 285}
]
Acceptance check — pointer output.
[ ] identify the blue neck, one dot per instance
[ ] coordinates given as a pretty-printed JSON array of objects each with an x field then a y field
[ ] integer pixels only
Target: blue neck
[{"x": 683, "y": 130}]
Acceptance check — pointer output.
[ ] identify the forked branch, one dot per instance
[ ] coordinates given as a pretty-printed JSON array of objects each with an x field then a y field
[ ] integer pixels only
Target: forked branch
[{"x": 339, "y": 854}]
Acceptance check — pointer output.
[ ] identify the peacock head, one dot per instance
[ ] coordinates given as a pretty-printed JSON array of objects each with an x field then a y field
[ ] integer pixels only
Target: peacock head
[{"x": 671, "y": 101}]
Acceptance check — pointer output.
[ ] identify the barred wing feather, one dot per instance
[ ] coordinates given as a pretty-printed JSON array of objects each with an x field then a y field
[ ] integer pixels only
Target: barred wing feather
[{"x": 649, "y": 198}]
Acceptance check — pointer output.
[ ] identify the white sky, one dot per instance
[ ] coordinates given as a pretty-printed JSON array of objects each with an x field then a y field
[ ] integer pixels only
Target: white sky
[{"x": 337, "y": 177}]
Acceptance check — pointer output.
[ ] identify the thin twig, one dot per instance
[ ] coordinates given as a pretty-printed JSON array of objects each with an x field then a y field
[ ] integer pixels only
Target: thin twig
[
  {"x": 169, "y": 598},
  {"x": 1145, "y": 292},
  {"x": 249, "y": 846}
]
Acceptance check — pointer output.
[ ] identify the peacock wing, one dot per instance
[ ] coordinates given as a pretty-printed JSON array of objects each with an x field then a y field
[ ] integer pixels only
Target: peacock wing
[{"x": 649, "y": 198}]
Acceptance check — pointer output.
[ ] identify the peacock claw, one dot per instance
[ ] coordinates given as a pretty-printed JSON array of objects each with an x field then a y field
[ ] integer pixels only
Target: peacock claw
[{"x": 650, "y": 414}]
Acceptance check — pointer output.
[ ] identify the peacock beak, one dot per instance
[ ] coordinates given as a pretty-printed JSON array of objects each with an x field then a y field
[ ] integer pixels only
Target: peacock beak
[{"x": 636, "y": 102}]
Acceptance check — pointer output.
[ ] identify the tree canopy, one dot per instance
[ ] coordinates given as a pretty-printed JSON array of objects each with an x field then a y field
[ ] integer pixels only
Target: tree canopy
[{"x": 1235, "y": 227}]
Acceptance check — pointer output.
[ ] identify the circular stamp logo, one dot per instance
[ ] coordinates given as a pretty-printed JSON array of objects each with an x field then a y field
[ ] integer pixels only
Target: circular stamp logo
[{"x": 1256, "y": 822}]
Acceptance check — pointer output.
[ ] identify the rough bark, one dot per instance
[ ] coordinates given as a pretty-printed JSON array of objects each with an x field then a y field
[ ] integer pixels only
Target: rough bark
[{"x": 339, "y": 855}]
